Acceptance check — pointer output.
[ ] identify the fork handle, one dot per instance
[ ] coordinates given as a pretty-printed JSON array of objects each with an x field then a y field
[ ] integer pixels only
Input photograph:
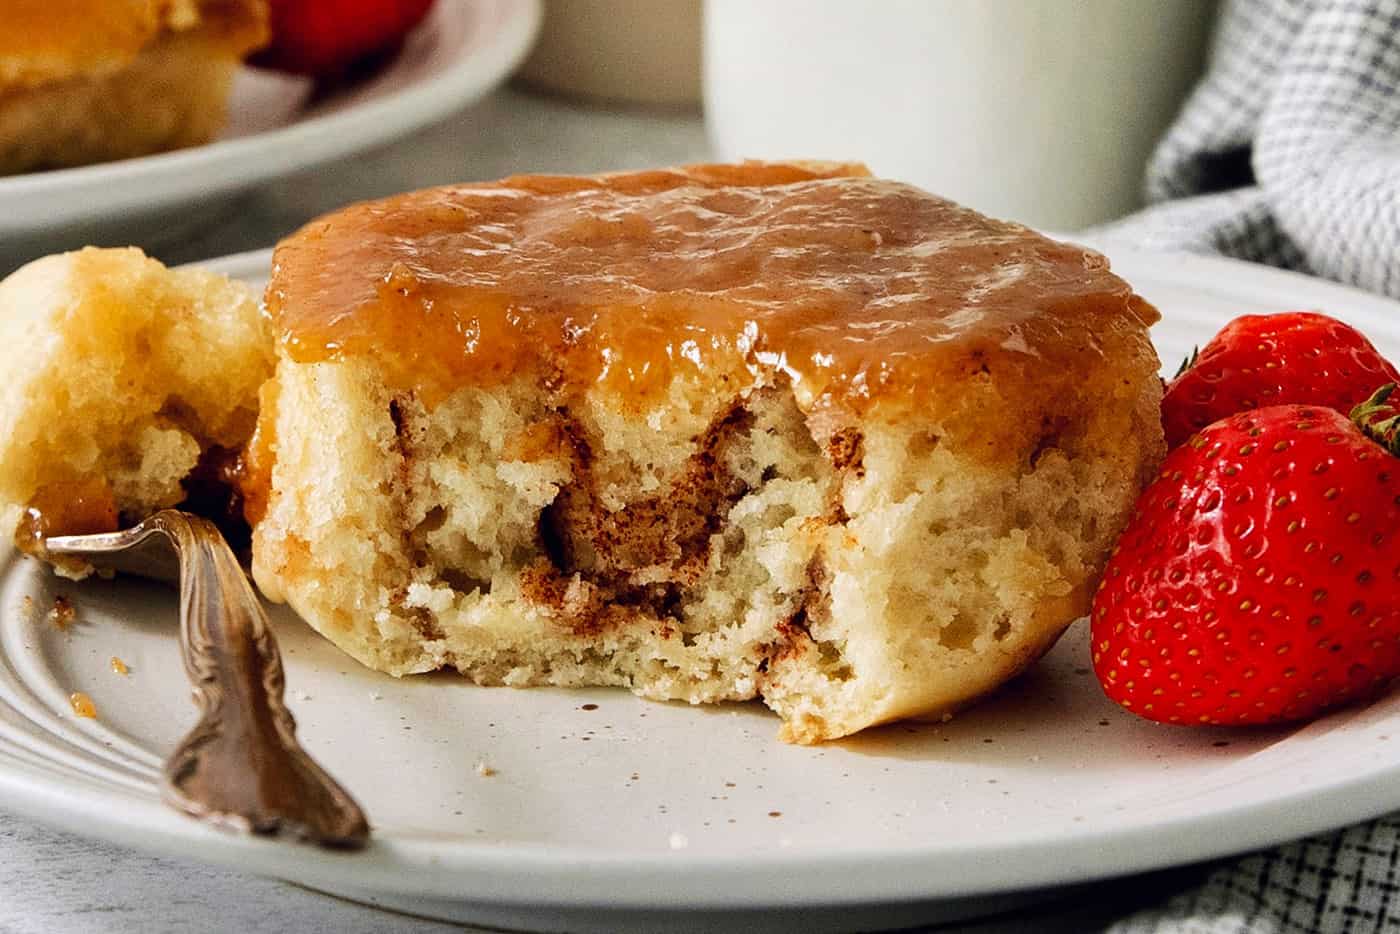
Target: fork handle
[{"x": 241, "y": 766}]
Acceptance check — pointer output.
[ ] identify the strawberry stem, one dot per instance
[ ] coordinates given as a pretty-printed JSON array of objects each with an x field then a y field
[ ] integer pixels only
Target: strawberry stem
[
  {"x": 1188, "y": 363},
  {"x": 1379, "y": 420}
]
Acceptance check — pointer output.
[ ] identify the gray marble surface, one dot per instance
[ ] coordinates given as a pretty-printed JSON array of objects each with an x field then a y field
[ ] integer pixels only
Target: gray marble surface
[{"x": 55, "y": 883}]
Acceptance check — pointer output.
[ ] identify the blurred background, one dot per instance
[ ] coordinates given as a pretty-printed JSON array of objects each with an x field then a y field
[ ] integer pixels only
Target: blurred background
[{"x": 1043, "y": 111}]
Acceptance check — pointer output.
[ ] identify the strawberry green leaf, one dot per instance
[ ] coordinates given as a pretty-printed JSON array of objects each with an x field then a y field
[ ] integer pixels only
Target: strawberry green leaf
[
  {"x": 1188, "y": 363},
  {"x": 1379, "y": 418}
]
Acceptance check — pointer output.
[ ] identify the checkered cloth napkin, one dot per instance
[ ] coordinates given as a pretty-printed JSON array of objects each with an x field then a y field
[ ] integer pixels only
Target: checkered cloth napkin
[{"x": 1288, "y": 153}]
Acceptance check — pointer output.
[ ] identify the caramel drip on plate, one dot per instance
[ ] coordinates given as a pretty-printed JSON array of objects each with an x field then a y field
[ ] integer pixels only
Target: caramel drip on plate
[{"x": 82, "y": 705}]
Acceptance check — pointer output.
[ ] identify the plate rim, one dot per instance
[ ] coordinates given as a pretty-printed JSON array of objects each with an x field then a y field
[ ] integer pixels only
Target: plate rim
[
  {"x": 563, "y": 875},
  {"x": 199, "y": 172},
  {"x": 546, "y": 874}
]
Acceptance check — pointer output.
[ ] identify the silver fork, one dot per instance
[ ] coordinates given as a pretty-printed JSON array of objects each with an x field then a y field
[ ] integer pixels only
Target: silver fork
[{"x": 241, "y": 766}]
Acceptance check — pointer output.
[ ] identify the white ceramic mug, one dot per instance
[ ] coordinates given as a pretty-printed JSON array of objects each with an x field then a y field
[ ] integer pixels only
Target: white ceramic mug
[
  {"x": 628, "y": 51},
  {"x": 1043, "y": 111}
]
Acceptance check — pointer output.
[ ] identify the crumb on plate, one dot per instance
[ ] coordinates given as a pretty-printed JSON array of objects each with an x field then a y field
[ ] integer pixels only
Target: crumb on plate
[
  {"x": 82, "y": 705},
  {"x": 62, "y": 615}
]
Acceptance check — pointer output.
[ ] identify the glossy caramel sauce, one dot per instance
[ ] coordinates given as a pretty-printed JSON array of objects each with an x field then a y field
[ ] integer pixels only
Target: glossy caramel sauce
[
  {"x": 79, "y": 29},
  {"x": 252, "y": 476},
  {"x": 861, "y": 290},
  {"x": 84, "y": 507}
]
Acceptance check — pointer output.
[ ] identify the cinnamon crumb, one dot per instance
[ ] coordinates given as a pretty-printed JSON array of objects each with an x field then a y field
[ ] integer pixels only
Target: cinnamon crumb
[
  {"x": 62, "y": 614},
  {"x": 484, "y": 770}
]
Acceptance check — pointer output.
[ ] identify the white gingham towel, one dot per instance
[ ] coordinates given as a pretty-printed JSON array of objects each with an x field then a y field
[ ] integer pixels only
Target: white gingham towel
[
  {"x": 1342, "y": 883},
  {"x": 1288, "y": 153}
]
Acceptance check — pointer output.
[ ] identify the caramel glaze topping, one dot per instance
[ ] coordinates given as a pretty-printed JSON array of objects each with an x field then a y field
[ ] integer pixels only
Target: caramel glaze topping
[
  {"x": 84, "y": 507},
  {"x": 77, "y": 31},
  {"x": 48, "y": 40},
  {"x": 863, "y": 291}
]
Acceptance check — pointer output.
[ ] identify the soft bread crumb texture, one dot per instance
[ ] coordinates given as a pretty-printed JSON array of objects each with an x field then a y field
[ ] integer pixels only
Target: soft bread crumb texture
[
  {"x": 121, "y": 372},
  {"x": 715, "y": 546}
]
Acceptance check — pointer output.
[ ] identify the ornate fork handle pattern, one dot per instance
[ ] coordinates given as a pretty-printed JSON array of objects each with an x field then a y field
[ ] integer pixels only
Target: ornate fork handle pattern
[{"x": 241, "y": 766}]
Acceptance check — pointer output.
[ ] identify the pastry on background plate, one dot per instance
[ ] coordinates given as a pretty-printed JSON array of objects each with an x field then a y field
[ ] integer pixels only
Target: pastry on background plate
[
  {"x": 778, "y": 431},
  {"x": 85, "y": 81}
]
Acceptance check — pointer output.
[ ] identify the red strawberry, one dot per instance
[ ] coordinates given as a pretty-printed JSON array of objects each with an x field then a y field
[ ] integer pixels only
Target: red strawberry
[
  {"x": 1259, "y": 578},
  {"x": 1259, "y": 360},
  {"x": 324, "y": 38}
]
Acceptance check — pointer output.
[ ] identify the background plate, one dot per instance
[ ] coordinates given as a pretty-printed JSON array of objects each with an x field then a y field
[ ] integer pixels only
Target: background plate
[
  {"x": 612, "y": 817},
  {"x": 461, "y": 51}
]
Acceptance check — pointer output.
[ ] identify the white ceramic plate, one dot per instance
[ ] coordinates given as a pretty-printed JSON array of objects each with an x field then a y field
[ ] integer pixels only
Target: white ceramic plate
[
  {"x": 462, "y": 50},
  {"x": 623, "y": 815}
]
